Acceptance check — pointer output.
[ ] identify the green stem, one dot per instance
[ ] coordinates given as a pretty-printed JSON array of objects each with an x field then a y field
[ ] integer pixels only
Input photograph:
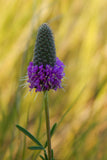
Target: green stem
[{"x": 47, "y": 123}]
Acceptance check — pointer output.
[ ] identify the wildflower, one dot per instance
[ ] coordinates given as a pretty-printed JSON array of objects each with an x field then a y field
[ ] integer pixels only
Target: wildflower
[{"x": 45, "y": 72}]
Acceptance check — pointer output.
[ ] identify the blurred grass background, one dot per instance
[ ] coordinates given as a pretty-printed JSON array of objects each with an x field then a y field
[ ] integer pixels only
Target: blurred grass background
[{"x": 80, "y": 31}]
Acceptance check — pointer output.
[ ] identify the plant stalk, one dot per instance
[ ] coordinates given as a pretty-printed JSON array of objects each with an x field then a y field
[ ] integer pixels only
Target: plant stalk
[{"x": 47, "y": 124}]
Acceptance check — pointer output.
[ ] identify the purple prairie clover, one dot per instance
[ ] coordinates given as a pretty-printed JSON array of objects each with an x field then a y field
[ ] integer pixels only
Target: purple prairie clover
[{"x": 46, "y": 71}]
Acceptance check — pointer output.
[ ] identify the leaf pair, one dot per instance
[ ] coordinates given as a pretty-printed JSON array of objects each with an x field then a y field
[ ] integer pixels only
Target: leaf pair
[{"x": 39, "y": 147}]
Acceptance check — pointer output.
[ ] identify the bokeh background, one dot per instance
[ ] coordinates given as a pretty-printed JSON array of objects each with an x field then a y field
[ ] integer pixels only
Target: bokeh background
[{"x": 80, "y": 109}]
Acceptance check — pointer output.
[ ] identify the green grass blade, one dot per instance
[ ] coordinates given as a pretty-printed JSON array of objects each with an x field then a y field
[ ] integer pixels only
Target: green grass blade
[
  {"x": 29, "y": 135},
  {"x": 67, "y": 111},
  {"x": 18, "y": 152},
  {"x": 24, "y": 146},
  {"x": 40, "y": 121}
]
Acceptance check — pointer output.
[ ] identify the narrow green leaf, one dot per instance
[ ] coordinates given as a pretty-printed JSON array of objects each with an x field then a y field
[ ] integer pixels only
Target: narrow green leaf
[
  {"x": 53, "y": 129},
  {"x": 46, "y": 157},
  {"x": 51, "y": 132},
  {"x": 42, "y": 157},
  {"x": 36, "y": 148},
  {"x": 52, "y": 153},
  {"x": 29, "y": 135}
]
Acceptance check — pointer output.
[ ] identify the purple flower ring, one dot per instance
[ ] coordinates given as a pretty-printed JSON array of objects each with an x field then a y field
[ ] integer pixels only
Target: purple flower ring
[
  {"x": 45, "y": 78},
  {"x": 46, "y": 71}
]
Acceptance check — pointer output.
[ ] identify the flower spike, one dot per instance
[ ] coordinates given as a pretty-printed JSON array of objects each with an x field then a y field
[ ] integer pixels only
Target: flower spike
[{"x": 46, "y": 70}]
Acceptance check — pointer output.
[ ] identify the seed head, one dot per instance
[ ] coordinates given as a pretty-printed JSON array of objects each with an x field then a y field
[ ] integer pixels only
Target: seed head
[{"x": 44, "y": 52}]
